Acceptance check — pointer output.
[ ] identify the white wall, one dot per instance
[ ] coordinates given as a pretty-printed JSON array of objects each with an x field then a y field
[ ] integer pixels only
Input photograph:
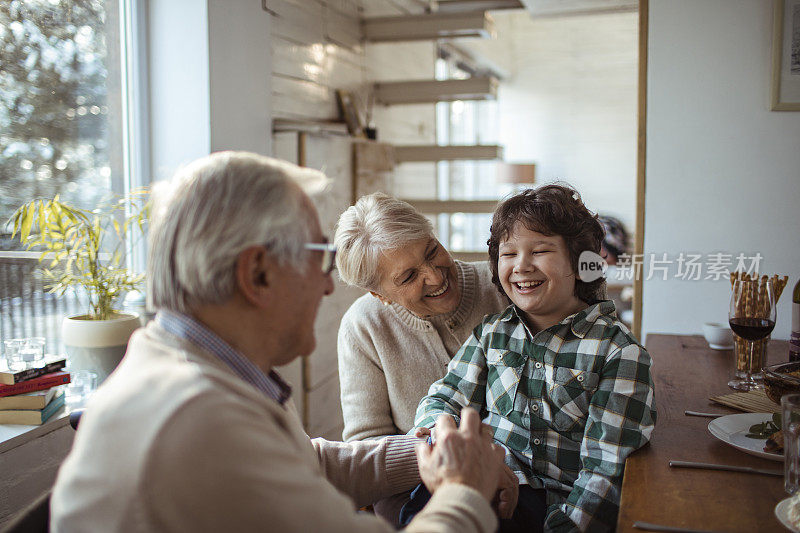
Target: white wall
[
  {"x": 178, "y": 76},
  {"x": 239, "y": 71},
  {"x": 209, "y": 84},
  {"x": 569, "y": 103},
  {"x": 723, "y": 172}
]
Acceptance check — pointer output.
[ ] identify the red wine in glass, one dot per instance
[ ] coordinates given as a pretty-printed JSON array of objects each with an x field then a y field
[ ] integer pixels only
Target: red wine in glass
[
  {"x": 752, "y": 329},
  {"x": 752, "y": 317}
]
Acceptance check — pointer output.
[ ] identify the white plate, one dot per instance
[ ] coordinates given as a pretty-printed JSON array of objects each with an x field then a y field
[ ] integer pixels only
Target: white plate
[
  {"x": 731, "y": 429},
  {"x": 782, "y": 513},
  {"x": 720, "y": 346}
]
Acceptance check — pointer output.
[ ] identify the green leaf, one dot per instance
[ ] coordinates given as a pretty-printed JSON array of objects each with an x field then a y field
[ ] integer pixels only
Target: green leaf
[
  {"x": 27, "y": 221},
  {"x": 75, "y": 238},
  {"x": 42, "y": 219}
]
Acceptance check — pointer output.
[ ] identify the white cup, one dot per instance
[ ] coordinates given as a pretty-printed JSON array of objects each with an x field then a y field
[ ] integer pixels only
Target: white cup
[{"x": 718, "y": 336}]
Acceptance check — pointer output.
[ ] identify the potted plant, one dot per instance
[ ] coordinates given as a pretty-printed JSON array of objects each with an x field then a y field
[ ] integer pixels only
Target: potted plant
[{"x": 84, "y": 249}]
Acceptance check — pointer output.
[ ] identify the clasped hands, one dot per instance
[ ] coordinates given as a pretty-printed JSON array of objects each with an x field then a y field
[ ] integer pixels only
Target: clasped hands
[{"x": 467, "y": 455}]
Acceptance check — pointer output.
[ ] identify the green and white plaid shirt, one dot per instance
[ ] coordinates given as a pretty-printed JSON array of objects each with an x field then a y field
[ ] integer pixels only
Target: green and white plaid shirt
[{"x": 569, "y": 404}]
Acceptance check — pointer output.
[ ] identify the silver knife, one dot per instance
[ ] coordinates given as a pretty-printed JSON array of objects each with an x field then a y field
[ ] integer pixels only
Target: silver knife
[
  {"x": 732, "y": 468},
  {"x": 646, "y": 526}
]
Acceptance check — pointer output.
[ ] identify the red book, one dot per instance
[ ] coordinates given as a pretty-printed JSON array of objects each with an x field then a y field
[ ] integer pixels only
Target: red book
[{"x": 40, "y": 383}]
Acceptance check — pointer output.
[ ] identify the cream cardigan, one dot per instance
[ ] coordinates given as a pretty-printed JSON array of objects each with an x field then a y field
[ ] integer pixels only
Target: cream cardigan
[
  {"x": 175, "y": 441},
  {"x": 388, "y": 357}
]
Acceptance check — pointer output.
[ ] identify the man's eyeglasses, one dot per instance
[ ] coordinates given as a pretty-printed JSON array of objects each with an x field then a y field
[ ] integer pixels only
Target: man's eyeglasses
[{"x": 328, "y": 250}]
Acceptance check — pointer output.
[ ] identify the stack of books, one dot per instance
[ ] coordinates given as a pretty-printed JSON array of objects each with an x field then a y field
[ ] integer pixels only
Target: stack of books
[{"x": 33, "y": 395}]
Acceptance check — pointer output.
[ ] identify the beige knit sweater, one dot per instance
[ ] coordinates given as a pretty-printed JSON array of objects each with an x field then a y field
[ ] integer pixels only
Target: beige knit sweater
[
  {"x": 174, "y": 441},
  {"x": 388, "y": 357}
]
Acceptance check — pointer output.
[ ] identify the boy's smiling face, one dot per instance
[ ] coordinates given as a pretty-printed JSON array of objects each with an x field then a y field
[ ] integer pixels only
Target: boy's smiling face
[{"x": 536, "y": 274}]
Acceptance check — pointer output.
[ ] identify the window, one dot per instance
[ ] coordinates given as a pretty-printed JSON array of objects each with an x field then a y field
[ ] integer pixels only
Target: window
[{"x": 64, "y": 129}]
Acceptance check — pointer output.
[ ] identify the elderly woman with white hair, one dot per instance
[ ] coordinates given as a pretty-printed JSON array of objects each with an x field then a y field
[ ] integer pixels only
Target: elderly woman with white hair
[
  {"x": 397, "y": 339},
  {"x": 421, "y": 307}
]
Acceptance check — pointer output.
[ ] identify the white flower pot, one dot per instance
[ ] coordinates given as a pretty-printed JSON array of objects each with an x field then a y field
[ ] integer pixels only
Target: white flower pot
[{"x": 97, "y": 345}]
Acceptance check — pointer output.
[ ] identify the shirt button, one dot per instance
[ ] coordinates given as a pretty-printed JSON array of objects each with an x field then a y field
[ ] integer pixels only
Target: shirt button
[
  {"x": 580, "y": 377},
  {"x": 538, "y": 364},
  {"x": 536, "y": 442},
  {"x": 535, "y": 407}
]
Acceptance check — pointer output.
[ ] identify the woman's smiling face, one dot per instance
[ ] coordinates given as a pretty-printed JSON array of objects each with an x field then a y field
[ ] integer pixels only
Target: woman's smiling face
[{"x": 421, "y": 276}]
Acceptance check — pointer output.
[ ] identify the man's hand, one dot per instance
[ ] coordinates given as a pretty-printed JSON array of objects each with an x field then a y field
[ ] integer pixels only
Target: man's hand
[
  {"x": 463, "y": 455},
  {"x": 422, "y": 433},
  {"x": 505, "y": 501}
]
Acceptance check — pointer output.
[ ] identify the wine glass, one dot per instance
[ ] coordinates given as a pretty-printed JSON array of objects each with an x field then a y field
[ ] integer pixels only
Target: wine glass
[{"x": 752, "y": 317}]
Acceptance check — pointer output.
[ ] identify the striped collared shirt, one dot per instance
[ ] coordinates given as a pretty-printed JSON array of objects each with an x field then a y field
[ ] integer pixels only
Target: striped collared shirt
[
  {"x": 569, "y": 404},
  {"x": 186, "y": 327}
]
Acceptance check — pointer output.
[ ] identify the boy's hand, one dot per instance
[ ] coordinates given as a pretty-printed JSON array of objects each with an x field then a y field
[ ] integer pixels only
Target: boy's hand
[
  {"x": 463, "y": 455},
  {"x": 505, "y": 501}
]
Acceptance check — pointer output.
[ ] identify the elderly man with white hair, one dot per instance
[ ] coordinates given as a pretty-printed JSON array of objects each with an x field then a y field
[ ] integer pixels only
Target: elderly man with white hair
[{"x": 195, "y": 430}]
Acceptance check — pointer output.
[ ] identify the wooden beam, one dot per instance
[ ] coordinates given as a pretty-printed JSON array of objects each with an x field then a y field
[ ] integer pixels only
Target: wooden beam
[
  {"x": 431, "y": 91},
  {"x": 454, "y": 206},
  {"x": 447, "y": 153},
  {"x": 428, "y": 27},
  {"x": 460, "y": 6},
  {"x": 641, "y": 165}
]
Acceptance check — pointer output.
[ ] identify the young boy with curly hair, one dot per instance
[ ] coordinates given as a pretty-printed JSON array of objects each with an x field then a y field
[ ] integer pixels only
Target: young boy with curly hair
[{"x": 561, "y": 382}]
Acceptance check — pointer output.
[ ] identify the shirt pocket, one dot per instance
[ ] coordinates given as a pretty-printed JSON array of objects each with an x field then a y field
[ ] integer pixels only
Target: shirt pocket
[
  {"x": 504, "y": 371},
  {"x": 570, "y": 394}
]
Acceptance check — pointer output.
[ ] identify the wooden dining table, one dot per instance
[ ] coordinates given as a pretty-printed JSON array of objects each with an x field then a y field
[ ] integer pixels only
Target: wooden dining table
[{"x": 687, "y": 373}]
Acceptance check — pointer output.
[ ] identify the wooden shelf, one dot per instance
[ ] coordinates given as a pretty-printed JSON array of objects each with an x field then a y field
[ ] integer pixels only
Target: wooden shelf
[
  {"x": 447, "y": 153},
  {"x": 309, "y": 126},
  {"x": 454, "y": 206},
  {"x": 428, "y": 27},
  {"x": 432, "y": 91}
]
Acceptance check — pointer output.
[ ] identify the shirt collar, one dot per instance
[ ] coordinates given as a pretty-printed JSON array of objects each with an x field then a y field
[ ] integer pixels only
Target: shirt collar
[
  {"x": 186, "y": 327},
  {"x": 583, "y": 321},
  {"x": 580, "y": 323}
]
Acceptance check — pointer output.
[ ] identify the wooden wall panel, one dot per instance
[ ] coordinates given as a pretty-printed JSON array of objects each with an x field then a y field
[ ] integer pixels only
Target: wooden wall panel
[
  {"x": 316, "y": 49},
  {"x": 301, "y": 99},
  {"x": 299, "y": 21},
  {"x": 343, "y": 29}
]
